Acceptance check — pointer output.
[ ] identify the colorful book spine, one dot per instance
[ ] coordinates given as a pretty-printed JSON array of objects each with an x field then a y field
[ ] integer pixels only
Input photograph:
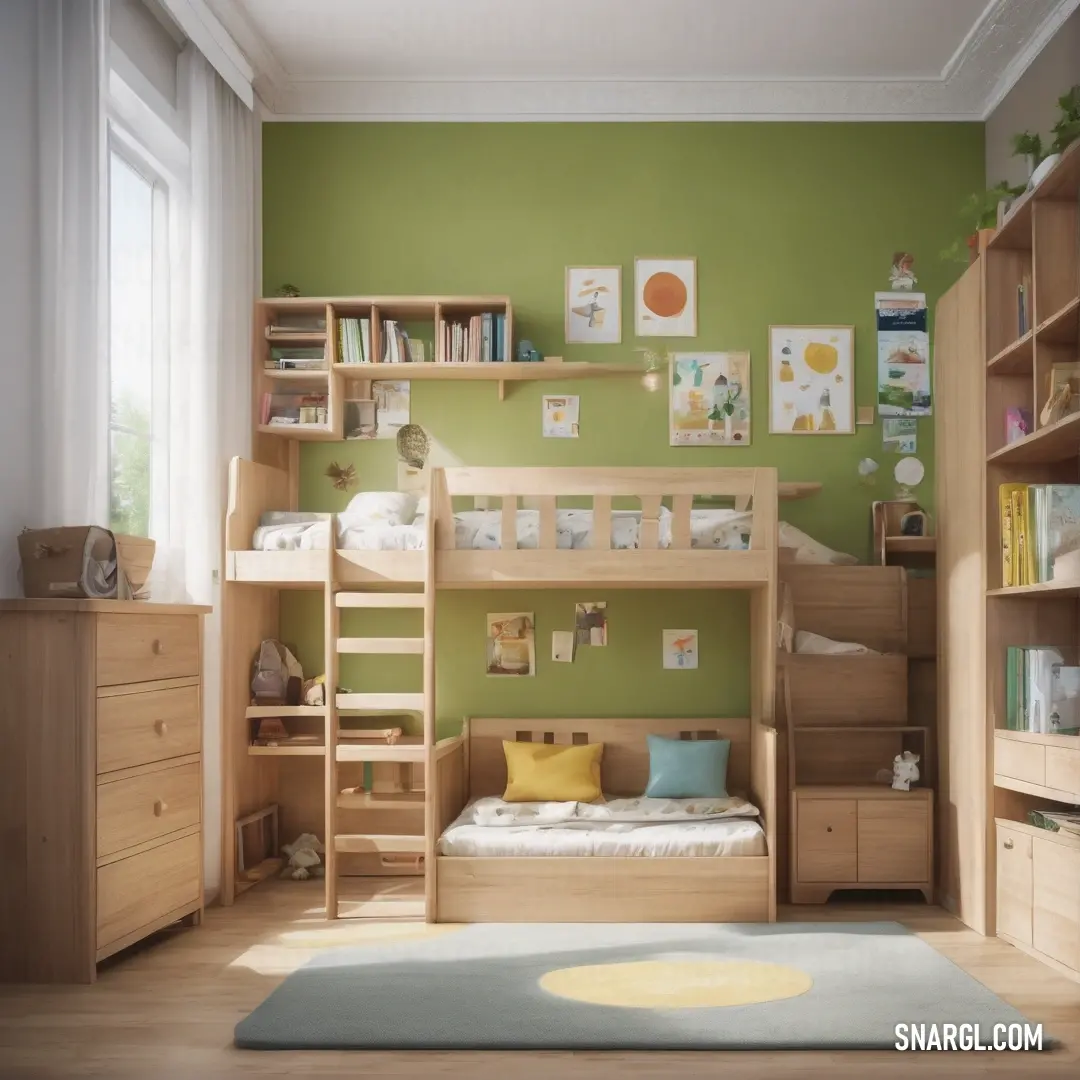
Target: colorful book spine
[{"x": 1008, "y": 537}]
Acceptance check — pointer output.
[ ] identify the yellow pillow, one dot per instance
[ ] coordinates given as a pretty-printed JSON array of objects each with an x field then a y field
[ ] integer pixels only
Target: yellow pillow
[{"x": 545, "y": 772}]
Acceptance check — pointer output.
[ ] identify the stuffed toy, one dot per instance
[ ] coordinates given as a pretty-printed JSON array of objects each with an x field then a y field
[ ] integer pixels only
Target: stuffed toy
[
  {"x": 304, "y": 861},
  {"x": 905, "y": 771}
]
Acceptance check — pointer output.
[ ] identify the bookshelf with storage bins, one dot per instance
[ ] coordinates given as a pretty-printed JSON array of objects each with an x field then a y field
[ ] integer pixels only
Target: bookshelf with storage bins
[
  {"x": 999, "y": 873},
  {"x": 420, "y": 316}
]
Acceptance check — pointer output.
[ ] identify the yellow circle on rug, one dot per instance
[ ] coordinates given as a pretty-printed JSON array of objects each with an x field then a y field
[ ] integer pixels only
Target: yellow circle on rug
[{"x": 677, "y": 984}]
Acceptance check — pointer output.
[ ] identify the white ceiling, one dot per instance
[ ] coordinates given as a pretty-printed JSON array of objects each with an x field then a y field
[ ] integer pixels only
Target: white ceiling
[{"x": 638, "y": 59}]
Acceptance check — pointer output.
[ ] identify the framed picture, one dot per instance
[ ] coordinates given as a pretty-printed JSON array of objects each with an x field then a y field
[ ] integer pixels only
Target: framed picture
[
  {"x": 511, "y": 645},
  {"x": 593, "y": 305},
  {"x": 665, "y": 297},
  {"x": 812, "y": 380},
  {"x": 680, "y": 650},
  {"x": 709, "y": 399}
]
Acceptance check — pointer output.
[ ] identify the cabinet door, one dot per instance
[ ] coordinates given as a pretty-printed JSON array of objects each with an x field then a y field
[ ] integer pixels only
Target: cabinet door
[
  {"x": 1014, "y": 884},
  {"x": 894, "y": 841},
  {"x": 826, "y": 839},
  {"x": 1055, "y": 920}
]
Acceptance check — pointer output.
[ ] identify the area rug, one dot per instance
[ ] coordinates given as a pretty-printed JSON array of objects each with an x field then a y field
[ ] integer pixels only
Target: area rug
[{"x": 624, "y": 987}]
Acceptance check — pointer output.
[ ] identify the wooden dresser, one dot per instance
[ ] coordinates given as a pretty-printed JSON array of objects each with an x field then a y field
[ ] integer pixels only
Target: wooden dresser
[{"x": 100, "y": 780}]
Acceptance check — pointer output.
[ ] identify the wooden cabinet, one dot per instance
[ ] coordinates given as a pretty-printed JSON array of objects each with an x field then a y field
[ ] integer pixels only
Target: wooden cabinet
[
  {"x": 860, "y": 837},
  {"x": 1038, "y": 893},
  {"x": 101, "y": 780}
]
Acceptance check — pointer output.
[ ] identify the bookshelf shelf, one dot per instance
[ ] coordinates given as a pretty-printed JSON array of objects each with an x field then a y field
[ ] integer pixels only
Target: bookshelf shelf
[
  {"x": 1057, "y": 442},
  {"x": 1042, "y": 589},
  {"x": 309, "y": 338},
  {"x": 509, "y": 372},
  {"x": 302, "y": 432},
  {"x": 298, "y": 376},
  {"x": 1014, "y": 359},
  {"x": 1038, "y": 790},
  {"x": 1071, "y": 742},
  {"x": 302, "y": 750},
  {"x": 1063, "y": 327}
]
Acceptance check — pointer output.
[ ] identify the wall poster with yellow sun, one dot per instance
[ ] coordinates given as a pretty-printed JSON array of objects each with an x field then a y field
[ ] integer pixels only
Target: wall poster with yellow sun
[
  {"x": 665, "y": 297},
  {"x": 812, "y": 380}
]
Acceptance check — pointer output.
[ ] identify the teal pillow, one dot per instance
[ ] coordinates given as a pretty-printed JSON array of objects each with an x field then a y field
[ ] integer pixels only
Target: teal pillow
[{"x": 687, "y": 769}]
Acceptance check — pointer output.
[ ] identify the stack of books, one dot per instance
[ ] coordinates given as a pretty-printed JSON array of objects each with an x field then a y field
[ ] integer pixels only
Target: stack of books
[
  {"x": 395, "y": 342},
  {"x": 1023, "y": 306},
  {"x": 296, "y": 360},
  {"x": 298, "y": 323},
  {"x": 1042, "y": 690},
  {"x": 354, "y": 338},
  {"x": 1040, "y": 525},
  {"x": 298, "y": 410},
  {"x": 480, "y": 339}
]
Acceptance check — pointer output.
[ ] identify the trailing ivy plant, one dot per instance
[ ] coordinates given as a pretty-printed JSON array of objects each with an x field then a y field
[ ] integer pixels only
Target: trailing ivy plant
[
  {"x": 1067, "y": 129},
  {"x": 979, "y": 212}
]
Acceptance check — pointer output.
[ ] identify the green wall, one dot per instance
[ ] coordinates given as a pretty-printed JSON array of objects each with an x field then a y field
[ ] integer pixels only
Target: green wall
[{"x": 790, "y": 223}]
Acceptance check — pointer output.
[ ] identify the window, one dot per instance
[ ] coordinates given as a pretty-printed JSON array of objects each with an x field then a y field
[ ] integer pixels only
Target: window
[{"x": 138, "y": 345}]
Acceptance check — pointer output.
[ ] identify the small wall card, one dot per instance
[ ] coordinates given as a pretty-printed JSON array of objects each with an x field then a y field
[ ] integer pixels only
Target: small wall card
[
  {"x": 680, "y": 649},
  {"x": 511, "y": 649},
  {"x": 812, "y": 380},
  {"x": 665, "y": 297},
  {"x": 560, "y": 419},
  {"x": 899, "y": 436},
  {"x": 904, "y": 387},
  {"x": 590, "y": 623},
  {"x": 709, "y": 399},
  {"x": 562, "y": 646},
  {"x": 593, "y": 305}
]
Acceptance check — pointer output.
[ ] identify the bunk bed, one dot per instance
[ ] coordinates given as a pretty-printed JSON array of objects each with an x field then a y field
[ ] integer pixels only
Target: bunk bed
[{"x": 661, "y": 553}]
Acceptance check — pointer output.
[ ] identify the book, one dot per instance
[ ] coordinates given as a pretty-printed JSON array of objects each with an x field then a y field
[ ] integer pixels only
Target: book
[
  {"x": 1008, "y": 538},
  {"x": 1019, "y": 515},
  {"x": 1042, "y": 689}
]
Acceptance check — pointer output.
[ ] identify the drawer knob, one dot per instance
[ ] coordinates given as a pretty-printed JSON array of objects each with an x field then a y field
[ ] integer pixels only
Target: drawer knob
[
  {"x": 828, "y": 828},
  {"x": 1008, "y": 845},
  {"x": 158, "y": 647},
  {"x": 161, "y": 727},
  {"x": 160, "y": 807}
]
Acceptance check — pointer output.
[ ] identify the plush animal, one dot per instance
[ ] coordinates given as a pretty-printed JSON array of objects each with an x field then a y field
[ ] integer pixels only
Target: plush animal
[
  {"x": 304, "y": 861},
  {"x": 905, "y": 771}
]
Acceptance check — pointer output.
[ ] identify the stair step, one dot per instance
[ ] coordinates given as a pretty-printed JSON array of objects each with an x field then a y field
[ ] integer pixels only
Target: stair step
[
  {"x": 382, "y": 702},
  {"x": 380, "y": 800},
  {"x": 404, "y": 752},
  {"x": 364, "y": 843},
  {"x": 383, "y": 645},
  {"x": 379, "y": 600}
]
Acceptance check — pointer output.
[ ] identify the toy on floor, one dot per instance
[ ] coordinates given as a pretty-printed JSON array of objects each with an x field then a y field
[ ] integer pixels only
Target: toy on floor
[
  {"x": 304, "y": 861},
  {"x": 905, "y": 771}
]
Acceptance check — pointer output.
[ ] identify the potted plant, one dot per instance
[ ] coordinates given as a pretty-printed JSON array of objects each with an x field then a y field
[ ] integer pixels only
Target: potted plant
[
  {"x": 1066, "y": 131},
  {"x": 1028, "y": 145},
  {"x": 979, "y": 215}
]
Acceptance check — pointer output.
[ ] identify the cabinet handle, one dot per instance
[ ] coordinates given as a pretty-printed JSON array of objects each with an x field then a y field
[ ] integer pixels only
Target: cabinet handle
[
  {"x": 158, "y": 647},
  {"x": 160, "y": 807},
  {"x": 1008, "y": 845},
  {"x": 161, "y": 727},
  {"x": 828, "y": 828}
]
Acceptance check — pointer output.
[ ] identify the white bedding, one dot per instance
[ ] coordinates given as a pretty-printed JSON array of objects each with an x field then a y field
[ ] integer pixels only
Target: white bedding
[
  {"x": 669, "y": 828},
  {"x": 481, "y": 530}
]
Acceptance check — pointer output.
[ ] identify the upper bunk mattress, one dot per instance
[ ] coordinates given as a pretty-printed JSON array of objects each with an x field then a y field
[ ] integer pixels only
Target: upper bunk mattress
[{"x": 621, "y": 827}]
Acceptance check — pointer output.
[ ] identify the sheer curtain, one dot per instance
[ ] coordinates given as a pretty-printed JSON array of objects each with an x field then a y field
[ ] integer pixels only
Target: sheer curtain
[
  {"x": 210, "y": 411},
  {"x": 71, "y": 399}
]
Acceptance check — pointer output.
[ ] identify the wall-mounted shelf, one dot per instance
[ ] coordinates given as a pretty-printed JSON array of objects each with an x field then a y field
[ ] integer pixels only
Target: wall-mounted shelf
[
  {"x": 1048, "y": 445},
  {"x": 1014, "y": 359},
  {"x": 1042, "y": 588}
]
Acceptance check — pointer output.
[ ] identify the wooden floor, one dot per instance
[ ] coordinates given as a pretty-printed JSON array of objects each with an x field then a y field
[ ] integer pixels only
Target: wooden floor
[{"x": 168, "y": 1009}]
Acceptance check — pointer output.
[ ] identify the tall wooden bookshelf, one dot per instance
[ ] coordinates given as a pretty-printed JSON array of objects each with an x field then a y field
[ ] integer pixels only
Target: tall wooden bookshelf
[{"x": 1000, "y": 874}]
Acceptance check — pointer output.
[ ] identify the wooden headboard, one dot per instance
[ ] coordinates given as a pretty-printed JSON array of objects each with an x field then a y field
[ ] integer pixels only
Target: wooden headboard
[{"x": 625, "y": 765}]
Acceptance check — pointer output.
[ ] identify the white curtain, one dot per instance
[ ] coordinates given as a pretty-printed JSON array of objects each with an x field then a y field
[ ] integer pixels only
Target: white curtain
[
  {"x": 210, "y": 392},
  {"x": 71, "y": 397}
]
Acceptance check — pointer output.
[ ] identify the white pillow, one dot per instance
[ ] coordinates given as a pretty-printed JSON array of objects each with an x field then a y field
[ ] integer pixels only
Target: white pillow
[
  {"x": 421, "y": 507},
  {"x": 392, "y": 507},
  {"x": 806, "y": 642},
  {"x": 808, "y": 550}
]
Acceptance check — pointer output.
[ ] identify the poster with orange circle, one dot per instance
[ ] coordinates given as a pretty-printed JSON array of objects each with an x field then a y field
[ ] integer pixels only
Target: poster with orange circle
[{"x": 665, "y": 297}]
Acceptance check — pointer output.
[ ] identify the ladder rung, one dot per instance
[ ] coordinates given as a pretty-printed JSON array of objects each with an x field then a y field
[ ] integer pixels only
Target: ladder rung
[
  {"x": 382, "y": 702},
  {"x": 381, "y": 752},
  {"x": 361, "y": 843},
  {"x": 376, "y": 800},
  {"x": 379, "y": 600},
  {"x": 385, "y": 645}
]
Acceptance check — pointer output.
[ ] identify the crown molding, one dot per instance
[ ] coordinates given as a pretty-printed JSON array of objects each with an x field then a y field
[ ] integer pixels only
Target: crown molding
[{"x": 994, "y": 54}]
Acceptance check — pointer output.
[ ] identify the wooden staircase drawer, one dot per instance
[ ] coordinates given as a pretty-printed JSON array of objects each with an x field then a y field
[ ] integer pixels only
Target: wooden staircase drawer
[
  {"x": 827, "y": 840},
  {"x": 134, "y": 892},
  {"x": 894, "y": 841},
  {"x": 135, "y": 729},
  {"x": 141, "y": 808},
  {"x": 1020, "y": 760},
  {"x": 142, "y": 648}
]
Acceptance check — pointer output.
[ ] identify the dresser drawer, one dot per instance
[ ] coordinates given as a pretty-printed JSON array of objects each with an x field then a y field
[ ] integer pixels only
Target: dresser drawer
[
  {"x": 1055, "y": 917},
  {"x": 1020, "y": 760},
  {"x": 134, "y": 729},
  {"x": 826, "y": 840},
  {"x": 1063, "y": 769},
  {"x": 142, "y": 648},
  {"x": 894, "y": 841},
  {"x": 133, "y": 892},
  {"x": 142, "y": 808}
]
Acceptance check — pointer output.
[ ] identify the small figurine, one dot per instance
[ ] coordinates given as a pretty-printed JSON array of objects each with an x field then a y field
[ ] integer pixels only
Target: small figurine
[
  {"x": 526, "y": 353},
  {"x": 905, "y": 771},
  {"x": 303, "y": 854},
  {"x": 287, "y": 291},
  {"x": 902, "y": 275}
]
